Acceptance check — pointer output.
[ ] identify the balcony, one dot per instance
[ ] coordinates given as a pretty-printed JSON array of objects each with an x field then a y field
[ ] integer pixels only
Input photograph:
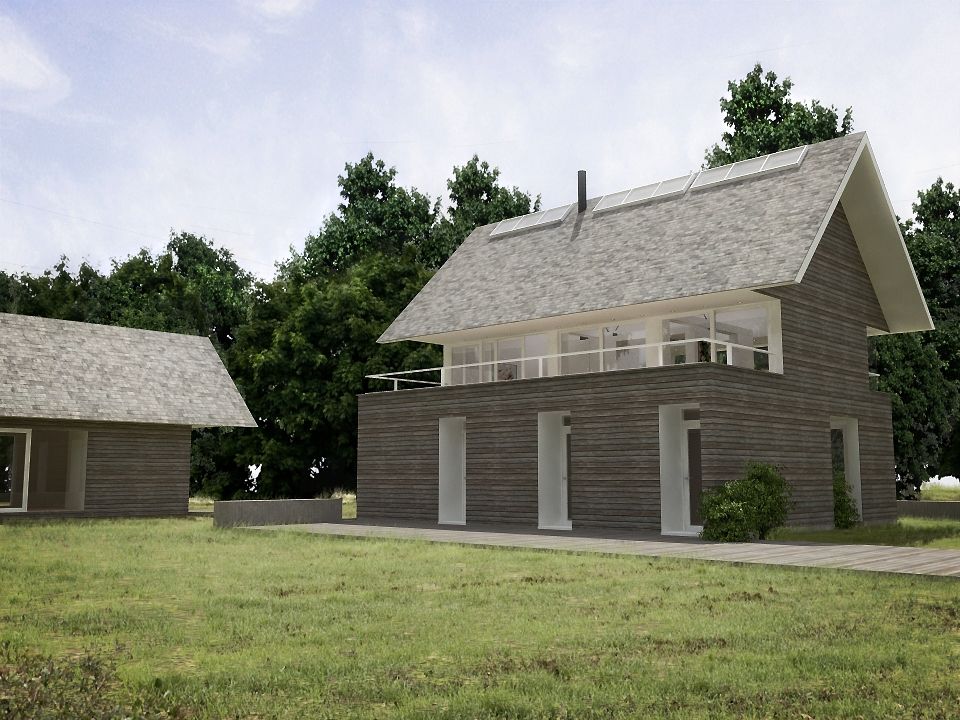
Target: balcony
[{"x": 628, "y": 357}]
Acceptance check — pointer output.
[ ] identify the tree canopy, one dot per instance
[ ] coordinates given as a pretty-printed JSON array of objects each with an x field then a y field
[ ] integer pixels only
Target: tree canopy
[{"x": 763, "y": 119}]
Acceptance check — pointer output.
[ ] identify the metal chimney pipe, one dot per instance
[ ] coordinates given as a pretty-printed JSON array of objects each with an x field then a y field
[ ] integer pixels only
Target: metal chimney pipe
[{"x": 581, "y": 190}]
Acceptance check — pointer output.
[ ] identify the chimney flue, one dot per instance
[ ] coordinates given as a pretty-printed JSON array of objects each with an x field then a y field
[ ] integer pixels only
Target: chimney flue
[{"x": 581, "y": 190}]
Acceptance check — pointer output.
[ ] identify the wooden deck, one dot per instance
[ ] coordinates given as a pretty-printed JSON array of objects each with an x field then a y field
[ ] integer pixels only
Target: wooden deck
[{"x": 873, "y": 558}]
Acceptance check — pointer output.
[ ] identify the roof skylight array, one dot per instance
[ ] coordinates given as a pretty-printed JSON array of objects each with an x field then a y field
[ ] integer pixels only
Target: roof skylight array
[
  {"x": 765, "y": 163},
  {"x": 544, "y": 217},
  {"x": 673, "y": 186}
]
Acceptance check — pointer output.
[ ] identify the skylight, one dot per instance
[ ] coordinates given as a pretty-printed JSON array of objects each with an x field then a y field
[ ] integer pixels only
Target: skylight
[
  {"x": 673, "y": 186},
  {"x": 765, "y": 163},
  {"x": 544, "y": 217}
]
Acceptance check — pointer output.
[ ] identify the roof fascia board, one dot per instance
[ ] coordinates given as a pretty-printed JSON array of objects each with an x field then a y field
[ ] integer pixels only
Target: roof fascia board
[
  {"x": 864, "y": 143},
  {"x": 896, "y": 224}
]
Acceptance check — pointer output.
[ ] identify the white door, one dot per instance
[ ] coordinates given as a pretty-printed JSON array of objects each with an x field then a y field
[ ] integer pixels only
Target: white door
[
  {"x": 452, "y": 496},
  {"x": 553, "y": 467}
]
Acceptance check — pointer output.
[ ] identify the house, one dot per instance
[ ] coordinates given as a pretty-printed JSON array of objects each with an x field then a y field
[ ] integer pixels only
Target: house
[
  {"x": 96, "y": 420},
  {"x": 606, "y": 361}
]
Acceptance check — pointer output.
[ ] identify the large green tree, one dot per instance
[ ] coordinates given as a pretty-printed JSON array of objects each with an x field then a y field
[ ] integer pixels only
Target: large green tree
[{"x": 763, "y": 119}]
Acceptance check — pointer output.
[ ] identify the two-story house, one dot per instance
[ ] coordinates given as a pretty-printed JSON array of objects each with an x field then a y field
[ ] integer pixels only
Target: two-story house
[{"x": 606, "y": 361}]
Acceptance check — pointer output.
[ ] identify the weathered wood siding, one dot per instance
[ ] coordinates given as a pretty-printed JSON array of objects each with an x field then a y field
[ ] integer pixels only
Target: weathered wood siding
[
  {"x": 138, "y": 470},
  {"x": 132, "y": 470},
  {"x": 615, "y": 463}
]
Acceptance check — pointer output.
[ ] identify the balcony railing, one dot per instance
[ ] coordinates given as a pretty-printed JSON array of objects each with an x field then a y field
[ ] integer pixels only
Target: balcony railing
[{"x": 628, "y": 357}]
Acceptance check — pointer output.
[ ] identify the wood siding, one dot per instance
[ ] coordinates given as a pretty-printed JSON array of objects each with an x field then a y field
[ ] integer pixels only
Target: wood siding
[
  {"x": 131, "y": 470},
  {"x": 615, "y": 463}
]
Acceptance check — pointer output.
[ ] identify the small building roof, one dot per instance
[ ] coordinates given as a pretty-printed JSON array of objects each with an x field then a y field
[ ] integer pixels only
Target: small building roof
[
  {"x": 64, "y": 370},
  {"x": 756, "y": 231}
]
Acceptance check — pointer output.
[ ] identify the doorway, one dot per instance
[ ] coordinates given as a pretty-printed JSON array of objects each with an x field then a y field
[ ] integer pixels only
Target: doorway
[
  {"x": 553, "y": 471},
  {"x": 681, "y": 470},
  {"x": 845, "y": 452},
  {"x": 15, "y": 454},
  {"x": 452, "y": 493}
]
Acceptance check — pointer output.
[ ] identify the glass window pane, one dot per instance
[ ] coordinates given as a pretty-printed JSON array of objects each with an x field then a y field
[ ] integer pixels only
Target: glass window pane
[
  {"x": 464, "y": 355},
  {"x": 509, "y": 353},
  {"x": 618, "y": 344},
  {"x": 579, "y": 341},
  {"x": 534, "y": 346},
  {"x": 12, "y": 466},
  {"x": 696, "y": 330},
  {"x": 487, "y": 369},
  {"x": 746, "y": 327}
]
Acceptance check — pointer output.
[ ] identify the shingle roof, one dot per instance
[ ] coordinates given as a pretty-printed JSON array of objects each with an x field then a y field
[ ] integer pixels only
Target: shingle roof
[
  {"x": 748, "y": 233},
  {"x": 57, "y": 369}
]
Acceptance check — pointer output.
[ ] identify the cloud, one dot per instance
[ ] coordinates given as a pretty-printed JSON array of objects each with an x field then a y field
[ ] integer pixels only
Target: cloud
[
  {"x": 29, "y": 80},
  {"x": 278, "y": 9},
  {"x": 230, "y": 48}
]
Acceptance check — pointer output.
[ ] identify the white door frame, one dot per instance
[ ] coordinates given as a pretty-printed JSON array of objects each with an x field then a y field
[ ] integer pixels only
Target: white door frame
[
  {"x": 566, "y": 522},
  {"x": 26, "y": 466},
  {"x": 687, "y": 425}
]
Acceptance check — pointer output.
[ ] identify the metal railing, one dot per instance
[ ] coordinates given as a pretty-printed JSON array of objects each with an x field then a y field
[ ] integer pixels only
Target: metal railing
[{"x": 627, "y": 357}]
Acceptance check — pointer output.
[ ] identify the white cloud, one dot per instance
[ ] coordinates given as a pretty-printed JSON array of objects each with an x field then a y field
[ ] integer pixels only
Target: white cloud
[
  {"x": 231, "y": 48},
  {"x": 29, "y": 80},
  {"x": 278, "y": 9}
]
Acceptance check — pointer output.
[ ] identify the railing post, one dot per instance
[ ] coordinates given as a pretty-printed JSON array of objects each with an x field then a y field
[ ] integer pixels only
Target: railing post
[{"x": 396, "y": 384}]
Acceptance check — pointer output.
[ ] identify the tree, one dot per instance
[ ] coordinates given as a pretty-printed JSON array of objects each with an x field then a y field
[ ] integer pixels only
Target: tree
[
  {"x": 476, "y": 198},
  {"x": 933, "y": 239},
  {"x": 302, "y": 360},
  {"x": 375, "y": 216},
  {"x": 763, "y": 119},
  {"x": 924, "y": 404}
]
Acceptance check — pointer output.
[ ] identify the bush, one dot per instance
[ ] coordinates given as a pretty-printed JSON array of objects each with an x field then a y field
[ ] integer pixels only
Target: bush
[
  {"x": 36, "y": 687},
  {"x": 845, "y": 513},
  {"x": 747, "y": 508}
]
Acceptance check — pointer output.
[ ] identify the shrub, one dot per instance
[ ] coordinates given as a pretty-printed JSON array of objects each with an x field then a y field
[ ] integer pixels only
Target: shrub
[
  {"x": 36, "y": 687},
  {"x": 747, "y": 508},
  {"x": 845, "y": 513}
]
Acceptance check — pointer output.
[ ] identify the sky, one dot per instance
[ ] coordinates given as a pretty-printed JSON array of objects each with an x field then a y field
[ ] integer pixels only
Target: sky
[{"x": 120, "y": 122}]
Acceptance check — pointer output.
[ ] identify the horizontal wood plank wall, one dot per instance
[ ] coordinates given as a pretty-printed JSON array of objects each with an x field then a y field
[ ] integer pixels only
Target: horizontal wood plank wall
[
  {"x": 825, "y": 351},
  {"x": 615, "y": 463},
  {"x": 138, "y": 470},
  {"x": 132, "y": 470}
]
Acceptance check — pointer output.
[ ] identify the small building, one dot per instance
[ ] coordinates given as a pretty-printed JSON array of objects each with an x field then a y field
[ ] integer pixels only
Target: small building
[
  {"x": 607, "y": 360},
  {"x": 96, "y": 420}
]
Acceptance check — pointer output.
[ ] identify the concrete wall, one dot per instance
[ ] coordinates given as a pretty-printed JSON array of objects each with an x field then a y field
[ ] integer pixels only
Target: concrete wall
[{"x": 231, "y": 513}]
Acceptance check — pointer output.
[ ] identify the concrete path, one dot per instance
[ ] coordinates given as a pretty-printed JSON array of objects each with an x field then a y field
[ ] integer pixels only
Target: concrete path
[{"x": 875, "y": 558}]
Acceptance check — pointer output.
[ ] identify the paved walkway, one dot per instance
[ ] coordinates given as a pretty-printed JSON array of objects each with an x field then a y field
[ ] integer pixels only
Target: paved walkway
[{"x": 876, "y": 558}]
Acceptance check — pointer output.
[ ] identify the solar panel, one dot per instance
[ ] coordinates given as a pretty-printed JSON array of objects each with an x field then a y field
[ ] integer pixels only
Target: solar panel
[
  {"x": 644, "y": 192},
  {"x": 543, "y": 217},
  {"x": 775, "y": 161}
]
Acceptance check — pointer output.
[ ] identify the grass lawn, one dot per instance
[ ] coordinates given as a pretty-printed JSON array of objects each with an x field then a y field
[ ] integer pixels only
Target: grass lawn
[
  {"x": 251, "y": 624},
  {"x": 911, "y": 532},
  {"x": 932, "y": 491}
]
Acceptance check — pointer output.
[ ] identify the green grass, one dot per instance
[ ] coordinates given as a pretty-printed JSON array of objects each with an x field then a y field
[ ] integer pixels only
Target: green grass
[
  {"x": 909, "y": 532},
  {"x": 929, "y": 491},
  {"x": 201, "y": 503},
  {"x": 278, "y": 624}
]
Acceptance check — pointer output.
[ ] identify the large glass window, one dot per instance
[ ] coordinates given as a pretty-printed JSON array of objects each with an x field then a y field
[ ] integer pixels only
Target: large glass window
[
  {"x": 464, "y": 355},
  {"x": 509, "y": 354},
  {"x": 579, "y": 341},
  {"x": 746, "y": 327},
  {"x": 695, "y": 329},
  {"x": 618, "y": 342},
  {"x": 534, "y": 346}
]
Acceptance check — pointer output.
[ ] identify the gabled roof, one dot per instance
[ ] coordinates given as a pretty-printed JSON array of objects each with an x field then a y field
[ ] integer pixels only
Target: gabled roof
[
  {"x": 58, "y": 369},
  {"x": 754, "y": 232}
]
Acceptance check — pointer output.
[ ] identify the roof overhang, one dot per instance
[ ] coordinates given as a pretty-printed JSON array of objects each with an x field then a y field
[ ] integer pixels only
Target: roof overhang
[
  {"x": 877, "y": 232},
  {"x": 597, "y": 317}
]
